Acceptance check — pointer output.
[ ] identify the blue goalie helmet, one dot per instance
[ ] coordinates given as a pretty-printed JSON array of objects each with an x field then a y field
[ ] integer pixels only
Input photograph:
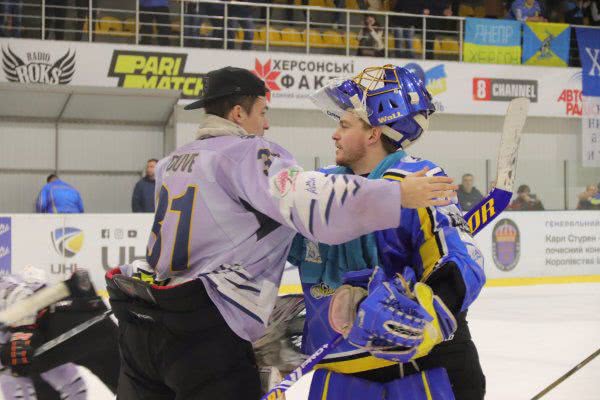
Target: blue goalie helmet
[{"x": 390, "y": 97}]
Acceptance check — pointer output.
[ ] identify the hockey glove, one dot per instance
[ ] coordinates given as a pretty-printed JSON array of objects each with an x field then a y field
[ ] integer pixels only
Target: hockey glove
[
  {"x": 394, "y": 322},
  {"x": 17, "y": 354}
]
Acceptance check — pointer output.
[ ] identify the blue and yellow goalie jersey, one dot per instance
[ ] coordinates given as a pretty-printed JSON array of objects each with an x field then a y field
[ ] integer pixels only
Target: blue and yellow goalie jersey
[{"x": 435, "y": 242}]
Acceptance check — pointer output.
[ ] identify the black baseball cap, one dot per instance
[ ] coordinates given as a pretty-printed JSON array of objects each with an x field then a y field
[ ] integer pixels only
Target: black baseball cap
[{"x": 229, "y": 81}]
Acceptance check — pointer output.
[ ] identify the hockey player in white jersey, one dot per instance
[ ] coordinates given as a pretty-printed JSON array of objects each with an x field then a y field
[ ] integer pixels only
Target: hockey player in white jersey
[
  {"x": 228, "y": 206},
  {"x": 54, "y": 374}
]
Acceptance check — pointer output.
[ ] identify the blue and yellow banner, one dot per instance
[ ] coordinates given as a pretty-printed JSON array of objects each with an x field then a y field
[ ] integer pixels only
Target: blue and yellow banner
[
  {"x": 546, "y": 44},
  {"x": 490, "y": 41}
]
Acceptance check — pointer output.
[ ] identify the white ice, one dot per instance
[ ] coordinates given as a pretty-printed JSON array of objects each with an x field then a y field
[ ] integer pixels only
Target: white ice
[{"x": 527, "y": 337}]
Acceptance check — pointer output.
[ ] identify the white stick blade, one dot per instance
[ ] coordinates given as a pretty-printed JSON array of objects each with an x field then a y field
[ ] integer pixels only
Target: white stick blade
[{"x": 509, "y": 144}]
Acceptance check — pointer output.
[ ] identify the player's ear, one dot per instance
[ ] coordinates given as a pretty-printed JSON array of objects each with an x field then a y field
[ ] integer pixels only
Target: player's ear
[
  {"x": 375, "y": 134},
  {"x": 237, "y": 114}
]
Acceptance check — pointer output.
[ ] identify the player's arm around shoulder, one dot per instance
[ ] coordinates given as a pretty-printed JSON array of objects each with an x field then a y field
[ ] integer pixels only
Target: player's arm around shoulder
[{"x": 452, "y": 262}]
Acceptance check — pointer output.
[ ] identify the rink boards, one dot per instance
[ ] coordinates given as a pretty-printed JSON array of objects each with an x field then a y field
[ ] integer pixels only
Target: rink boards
[{"x": 519, "y": 248}]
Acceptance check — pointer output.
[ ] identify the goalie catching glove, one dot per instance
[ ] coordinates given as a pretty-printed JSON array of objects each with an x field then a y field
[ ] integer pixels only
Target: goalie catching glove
[{"x": 391, "y": 320}]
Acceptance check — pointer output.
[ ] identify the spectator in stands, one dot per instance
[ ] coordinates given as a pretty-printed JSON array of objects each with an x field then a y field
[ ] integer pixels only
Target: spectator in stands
[
  {"x": 11, "y": 12},
  {"x": 370, "y": 38},
  {"x": 404, "y": 27},
  {"x": 525, "y": 201},
  {"x": 590, "y": 198},
  {"x": 83, "y": 12},
  {"x": 56, "y": 11},
  {"x": 240, "y": 16},
  {"x": 526, "y": 11},
  {"x": 142, "y": 199},
  {"x": 439, "y": 26},
  {"x": 468, "y": 194},
  {"x": 594, "y": 13},
  {"x": 337, "y": 17},
  {"x": 155, "y": 12},
  {"x": 289, "y": 12},
  {"x": 58, "y": 197},
  {"x": 213, "y": 14},
  {"x": 575, "y": 10},
  {"x": 192, "y": 23}
]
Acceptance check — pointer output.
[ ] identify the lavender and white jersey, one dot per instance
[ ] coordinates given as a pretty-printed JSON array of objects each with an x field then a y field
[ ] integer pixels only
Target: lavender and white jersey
[
  {"x": 65, "y": 379},
  {"x": 228, "y": 206}
]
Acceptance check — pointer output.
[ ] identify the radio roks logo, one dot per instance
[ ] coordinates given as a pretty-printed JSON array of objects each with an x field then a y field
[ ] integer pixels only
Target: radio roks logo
[
  {"x": 38, "y": 67},
  {"x": 67, "y": 241},
  {"x": 151, "y": 70},
  {"x": 506, "y": 245}
]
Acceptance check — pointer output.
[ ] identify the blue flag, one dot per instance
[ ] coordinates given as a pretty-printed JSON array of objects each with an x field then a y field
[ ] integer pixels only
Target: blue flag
[{"x": 588, "y": 41}]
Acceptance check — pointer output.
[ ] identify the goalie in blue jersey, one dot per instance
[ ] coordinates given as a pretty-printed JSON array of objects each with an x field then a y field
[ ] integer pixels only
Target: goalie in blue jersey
[{"x": 399, "y": 296}]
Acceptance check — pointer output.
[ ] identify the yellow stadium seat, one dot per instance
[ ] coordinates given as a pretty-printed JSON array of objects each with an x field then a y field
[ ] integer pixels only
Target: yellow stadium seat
[
  {"x": 108, "y": 25},
  {"x": 465, "y": 11},
  {"x": 437, "y": 47},
  {"x": 353, "y": 40},
  {"x": 479, "y": 12},
  {"x": 449, "y": 46},
  {"x": 317, "y": 3},
  {"x": 291, "y": 37},
  {"x": 447, "y": 49},
  {"x": 129, "y": 26},
  {"x": 205, "y": 29},
  {"x": 333, "y": 39},
  {"x": 315, "y": 39},
  {"x": 391, "y": 44},
  {"x": 260, "y": 35},
  {"x": 352, "y": 4},
  {"x": 275, "y": 37},
  {"x": 417, "y": 45}
]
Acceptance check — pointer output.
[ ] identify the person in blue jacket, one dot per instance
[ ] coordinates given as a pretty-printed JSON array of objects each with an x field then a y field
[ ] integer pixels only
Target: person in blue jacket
[{"x": 58, "y": 197}]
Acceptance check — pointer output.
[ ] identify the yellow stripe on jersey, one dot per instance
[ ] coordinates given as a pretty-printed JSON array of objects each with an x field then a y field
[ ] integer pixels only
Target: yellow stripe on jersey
[
  {"x": 362, "y": 362},
  {"x": 426, "y": 385},
  {"x": 326, "y": 386},
  {"x": 431, "y": 250},
  {"x": 393, "y": 177}
]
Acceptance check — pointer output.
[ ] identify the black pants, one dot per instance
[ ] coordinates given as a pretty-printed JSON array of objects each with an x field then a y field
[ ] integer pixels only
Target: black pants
[
  {"x": 83, "y": 12},
  {"x": 96, "y": 348},
  {"x": 181, "y": 348},
  {"x": 460, "y": 359},
  {"x": 148, "y": 15},
  {"x": 55, "y": 18}
]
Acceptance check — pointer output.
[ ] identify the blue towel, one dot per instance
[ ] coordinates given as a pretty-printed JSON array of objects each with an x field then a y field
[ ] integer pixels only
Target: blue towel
[{"x": 330, "y": 263}]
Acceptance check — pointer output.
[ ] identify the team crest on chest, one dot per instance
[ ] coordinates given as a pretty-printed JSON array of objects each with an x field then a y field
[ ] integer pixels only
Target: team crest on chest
[{"x": 312, "y": 252}]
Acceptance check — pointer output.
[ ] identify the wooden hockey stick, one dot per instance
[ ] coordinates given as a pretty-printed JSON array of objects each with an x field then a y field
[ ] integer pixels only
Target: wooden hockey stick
[
  {"x": 477, "y": 218},
  {"x": 566, "y": 375}
]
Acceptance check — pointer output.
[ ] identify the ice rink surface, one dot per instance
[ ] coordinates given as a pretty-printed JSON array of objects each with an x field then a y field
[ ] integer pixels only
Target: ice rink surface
[{"x": 527, "y": 337}]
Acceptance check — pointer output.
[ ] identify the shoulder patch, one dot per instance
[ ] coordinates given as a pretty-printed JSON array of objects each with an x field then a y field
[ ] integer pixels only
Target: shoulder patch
[{"x": 409, "y": 165}]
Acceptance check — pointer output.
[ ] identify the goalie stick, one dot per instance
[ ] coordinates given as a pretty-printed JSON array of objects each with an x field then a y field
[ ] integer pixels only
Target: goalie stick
[
  {"x": 477, "y": 218},
  {"x": 286, "y": 308}
]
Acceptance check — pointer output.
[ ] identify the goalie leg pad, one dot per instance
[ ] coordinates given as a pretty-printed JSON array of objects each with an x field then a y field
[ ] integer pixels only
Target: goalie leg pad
[
  {"x": 432, "y": 384},
  {"x": 333, "y": 386}
]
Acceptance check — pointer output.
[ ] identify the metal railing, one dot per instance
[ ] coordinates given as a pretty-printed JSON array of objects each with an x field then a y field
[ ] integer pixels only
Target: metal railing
[{"x": 219, "y": 24}]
